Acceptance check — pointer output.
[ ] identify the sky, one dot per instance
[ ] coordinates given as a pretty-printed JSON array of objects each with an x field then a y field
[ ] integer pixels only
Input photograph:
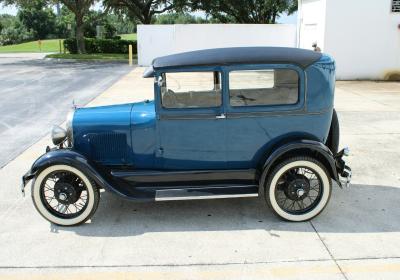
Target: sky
[{"x": 283, "y": 19}]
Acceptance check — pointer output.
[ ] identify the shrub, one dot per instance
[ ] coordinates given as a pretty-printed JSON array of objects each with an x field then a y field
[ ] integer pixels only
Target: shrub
[{"x": 101, "y": 45}]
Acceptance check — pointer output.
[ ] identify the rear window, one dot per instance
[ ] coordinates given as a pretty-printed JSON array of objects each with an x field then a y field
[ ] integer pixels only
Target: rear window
[{"x": 263, "y": 87}]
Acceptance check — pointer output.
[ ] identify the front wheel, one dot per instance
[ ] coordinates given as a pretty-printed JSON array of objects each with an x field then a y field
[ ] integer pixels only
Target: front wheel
[
  {"x": 298, "y": 189},
  {"x": 64, "y": 195}
]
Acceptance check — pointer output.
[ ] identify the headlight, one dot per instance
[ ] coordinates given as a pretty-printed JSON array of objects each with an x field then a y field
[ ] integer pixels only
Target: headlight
[
  {"x": 58, "y": 135},
  {"x": 70, "y": 132}
]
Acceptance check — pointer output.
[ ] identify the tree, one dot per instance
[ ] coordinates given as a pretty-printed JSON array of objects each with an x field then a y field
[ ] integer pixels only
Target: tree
[
  {"x": 38, "y": 18},
  {"x": 143, "y": 10},
  {"x": 80, "y": 8},
  {"x": 241, "y": 11},
  {"x": 179, "y": 18},
  {"x": 94, "y": 19},
  {"x": 12, "y": 31}
]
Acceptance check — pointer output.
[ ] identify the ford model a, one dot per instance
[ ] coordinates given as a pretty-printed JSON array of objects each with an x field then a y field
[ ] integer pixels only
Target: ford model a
[{"x": 224, "y": 123}]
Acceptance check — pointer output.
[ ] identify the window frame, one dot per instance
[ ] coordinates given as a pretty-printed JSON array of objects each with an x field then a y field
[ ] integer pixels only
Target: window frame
[
  {"x": 188, "y": 113},
  {"x": 298, "y": 106}
]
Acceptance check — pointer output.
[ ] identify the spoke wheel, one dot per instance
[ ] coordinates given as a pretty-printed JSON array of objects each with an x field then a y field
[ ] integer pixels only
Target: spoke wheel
[
  {"x": 298, "y": 189},
  {"x": 64, "y": 195}
]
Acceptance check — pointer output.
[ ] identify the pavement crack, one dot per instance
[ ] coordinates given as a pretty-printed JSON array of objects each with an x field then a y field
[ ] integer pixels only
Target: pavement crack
[{"x": 329, "y": 252}]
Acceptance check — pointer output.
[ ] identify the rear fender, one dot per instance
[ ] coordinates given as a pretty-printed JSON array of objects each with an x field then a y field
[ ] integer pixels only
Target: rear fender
[{"x": 300, "y": 147}]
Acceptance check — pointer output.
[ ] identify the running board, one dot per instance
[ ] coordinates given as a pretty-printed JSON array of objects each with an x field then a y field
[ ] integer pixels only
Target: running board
[{"x": 207, "y": 193}]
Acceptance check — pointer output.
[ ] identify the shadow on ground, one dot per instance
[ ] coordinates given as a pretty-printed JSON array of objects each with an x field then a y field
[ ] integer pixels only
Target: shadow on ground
[{"x": 360, "y": 209}]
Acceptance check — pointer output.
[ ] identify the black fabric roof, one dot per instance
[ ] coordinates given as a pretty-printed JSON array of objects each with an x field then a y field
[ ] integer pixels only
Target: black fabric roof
[{"x": 239, "y": 55}]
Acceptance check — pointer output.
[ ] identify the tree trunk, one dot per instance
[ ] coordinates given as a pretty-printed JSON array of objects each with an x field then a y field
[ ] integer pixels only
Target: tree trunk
[
  {"x": 147, "y": 19},
  {"x": 80, "y": 39}
]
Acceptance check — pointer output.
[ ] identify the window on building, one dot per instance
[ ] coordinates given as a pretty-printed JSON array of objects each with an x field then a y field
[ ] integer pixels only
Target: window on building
[
  {"x": 396, "y": 6},
  {"x": 191, "y": 90},
  {"x": 263, "y": 87}
]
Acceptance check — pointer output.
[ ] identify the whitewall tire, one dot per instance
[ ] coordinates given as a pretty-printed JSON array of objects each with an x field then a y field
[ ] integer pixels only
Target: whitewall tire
[
  {"x": 288, "y": 191},
  {"x": 45, "y": 205}
]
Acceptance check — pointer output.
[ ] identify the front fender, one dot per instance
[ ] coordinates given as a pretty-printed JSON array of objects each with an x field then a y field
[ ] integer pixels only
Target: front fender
[
  {"x": 74, "y": 159},
  {"x": 307, "y": 146}
]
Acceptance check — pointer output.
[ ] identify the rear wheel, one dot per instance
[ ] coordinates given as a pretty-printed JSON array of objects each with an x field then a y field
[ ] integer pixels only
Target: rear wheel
[
  {"x": 298, "y": 189},
  {"x": 64, "y": 195}
]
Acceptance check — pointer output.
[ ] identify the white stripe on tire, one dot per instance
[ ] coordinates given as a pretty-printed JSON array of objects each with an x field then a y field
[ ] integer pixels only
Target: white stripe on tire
[
  {"x": 42, "y": 209},
  {"x": 320, "y": 206}
]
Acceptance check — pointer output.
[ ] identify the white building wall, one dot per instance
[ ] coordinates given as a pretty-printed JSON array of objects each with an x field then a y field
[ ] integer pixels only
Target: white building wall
[
  {"x": 159, "y": 40},
  {"x": 311, "y": 20},
  {"x": 363, "y": 37}
]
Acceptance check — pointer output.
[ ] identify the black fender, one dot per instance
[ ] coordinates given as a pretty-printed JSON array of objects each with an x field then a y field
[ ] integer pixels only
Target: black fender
[
  {"x": 315, "y": 148},
  {"x": 72, "y": 158}
]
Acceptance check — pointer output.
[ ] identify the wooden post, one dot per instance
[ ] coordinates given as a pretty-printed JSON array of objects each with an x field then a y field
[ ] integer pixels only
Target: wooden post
[
  {"x": 59, "y": 44},
  {"x": 130, "y": 55}
]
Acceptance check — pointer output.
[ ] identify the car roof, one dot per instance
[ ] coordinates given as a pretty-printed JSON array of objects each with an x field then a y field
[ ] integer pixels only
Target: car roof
[{"x": 239, "y": 55}]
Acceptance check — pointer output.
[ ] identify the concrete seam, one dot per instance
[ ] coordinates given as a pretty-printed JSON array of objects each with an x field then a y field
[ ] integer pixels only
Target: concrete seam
[
  {"x": 329, "y": 252},
  {"x": 196, "y": 264}
]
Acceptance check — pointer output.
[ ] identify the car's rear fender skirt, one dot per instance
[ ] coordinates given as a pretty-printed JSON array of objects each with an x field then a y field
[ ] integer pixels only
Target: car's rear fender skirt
[
  {"x": 99, "y": 175},
  {"x": 300, "y": 147}
]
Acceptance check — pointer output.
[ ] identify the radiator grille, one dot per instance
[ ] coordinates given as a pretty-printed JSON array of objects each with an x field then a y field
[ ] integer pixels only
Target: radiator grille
[{"x": 108, "y": 147}]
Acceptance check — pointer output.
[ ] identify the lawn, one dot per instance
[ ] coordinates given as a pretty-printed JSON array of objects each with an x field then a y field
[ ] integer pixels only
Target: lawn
[
  {"x": 47, "y": 46},
  {"x": 131, "y": 36}
]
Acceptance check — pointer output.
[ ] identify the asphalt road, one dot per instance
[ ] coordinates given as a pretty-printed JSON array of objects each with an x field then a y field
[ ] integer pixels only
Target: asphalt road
[{"x": 35, "y": 94}]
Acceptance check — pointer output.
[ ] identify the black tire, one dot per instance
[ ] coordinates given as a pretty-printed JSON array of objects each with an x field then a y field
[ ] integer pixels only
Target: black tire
[
  {"x": 62, "y": 219},
  {"x": 275, "y": 179},
  {"x": 334, "y": 134}
]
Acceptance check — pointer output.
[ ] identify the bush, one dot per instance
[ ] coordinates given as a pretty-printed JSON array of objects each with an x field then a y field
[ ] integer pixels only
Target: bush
[
  {"x": 12, "y": 35},
  {"x": 12, "y": 31},
  {"x": 101, "y": 45}
]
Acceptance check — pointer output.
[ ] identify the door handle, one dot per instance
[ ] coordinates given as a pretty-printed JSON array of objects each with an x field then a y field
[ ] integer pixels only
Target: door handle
[{"x": 221, "y": 116}]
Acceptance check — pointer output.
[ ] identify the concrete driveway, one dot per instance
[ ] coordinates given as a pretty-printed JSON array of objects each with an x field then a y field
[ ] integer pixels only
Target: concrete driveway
[
  {"x": 35, "y": 94},
  {"x": 356, "y": 237}
]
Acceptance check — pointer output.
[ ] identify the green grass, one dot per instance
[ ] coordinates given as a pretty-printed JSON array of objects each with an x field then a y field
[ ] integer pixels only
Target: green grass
[
  {"x": 47, "y": 46},
  {"x": 131, "y": 36},
  {"x": 97, "y": 56}
]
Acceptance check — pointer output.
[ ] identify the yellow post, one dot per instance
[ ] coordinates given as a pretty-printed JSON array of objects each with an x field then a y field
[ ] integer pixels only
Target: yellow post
[{"x": 130, "y": 55}]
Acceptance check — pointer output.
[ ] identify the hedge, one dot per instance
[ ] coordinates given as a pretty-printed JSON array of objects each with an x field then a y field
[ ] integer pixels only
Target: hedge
[{"x": 93, "y": 45}]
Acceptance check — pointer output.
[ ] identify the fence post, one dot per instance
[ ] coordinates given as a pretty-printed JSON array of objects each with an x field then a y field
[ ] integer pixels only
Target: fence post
[{"x": 130, "y": 55}]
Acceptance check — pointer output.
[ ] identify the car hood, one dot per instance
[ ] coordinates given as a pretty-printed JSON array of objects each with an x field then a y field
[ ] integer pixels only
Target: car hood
[{"x": 104, "y": 134}]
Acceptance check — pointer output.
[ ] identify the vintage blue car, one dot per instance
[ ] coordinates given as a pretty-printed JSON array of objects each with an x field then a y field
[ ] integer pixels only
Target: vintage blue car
[{"x": 224, "y": 123}]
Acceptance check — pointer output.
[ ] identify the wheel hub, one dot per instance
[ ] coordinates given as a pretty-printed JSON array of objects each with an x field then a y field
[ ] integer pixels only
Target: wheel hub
[
  {"x": 65, "y": 193},
  {"x": 298, "y": 188}
]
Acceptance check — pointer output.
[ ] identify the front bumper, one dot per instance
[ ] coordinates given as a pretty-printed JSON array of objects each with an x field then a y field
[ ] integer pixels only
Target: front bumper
[
  {"x": 25, "y": 179},
  {"x": 344, "y": 171}
]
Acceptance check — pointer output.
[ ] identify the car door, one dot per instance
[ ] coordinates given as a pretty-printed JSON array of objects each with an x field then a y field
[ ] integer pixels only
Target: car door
[
  {"x": 191, "y": 120},
  {"x": 266, "y": 105}
]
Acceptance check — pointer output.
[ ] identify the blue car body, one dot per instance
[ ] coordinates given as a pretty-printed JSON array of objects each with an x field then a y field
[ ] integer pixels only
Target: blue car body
[
  {"x": 144, "y": 136},
  {"x": 135, "y": 149}
]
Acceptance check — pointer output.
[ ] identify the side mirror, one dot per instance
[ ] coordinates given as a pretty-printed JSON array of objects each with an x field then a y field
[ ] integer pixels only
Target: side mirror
[{"x": 160, "y": 81}]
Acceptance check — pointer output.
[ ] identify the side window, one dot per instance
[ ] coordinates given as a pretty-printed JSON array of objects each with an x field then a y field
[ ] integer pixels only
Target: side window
[
  {"x": 263, "y": 87},
  {"x": 191, "y": 90}
]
